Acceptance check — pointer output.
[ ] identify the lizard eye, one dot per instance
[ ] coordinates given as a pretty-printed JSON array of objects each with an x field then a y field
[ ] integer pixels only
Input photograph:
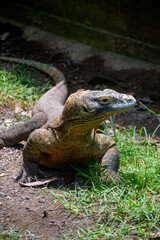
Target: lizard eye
[{"x": 105, "y": 100}]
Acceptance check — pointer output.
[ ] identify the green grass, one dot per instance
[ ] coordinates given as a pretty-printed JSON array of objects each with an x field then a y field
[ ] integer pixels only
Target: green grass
[
  {"x": 18, "y": 85},
  {"x": 130, "y": 210},
  {"x": 12, "y": 234}
]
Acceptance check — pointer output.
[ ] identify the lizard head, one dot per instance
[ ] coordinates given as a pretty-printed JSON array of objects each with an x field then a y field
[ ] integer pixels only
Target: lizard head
[{"x": 87, "y": 109}]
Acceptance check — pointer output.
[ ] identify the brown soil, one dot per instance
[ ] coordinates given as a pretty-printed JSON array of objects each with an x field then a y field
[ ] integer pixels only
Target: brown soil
[{"x": 20, "y": 206}]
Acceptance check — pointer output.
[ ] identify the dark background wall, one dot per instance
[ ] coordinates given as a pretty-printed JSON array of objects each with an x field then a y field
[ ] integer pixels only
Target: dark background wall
[{"x": 129, "y": 27}]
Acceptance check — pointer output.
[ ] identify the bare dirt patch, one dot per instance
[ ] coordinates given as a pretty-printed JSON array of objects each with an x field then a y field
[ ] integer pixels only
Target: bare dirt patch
[{"x": 20, "y": 206}]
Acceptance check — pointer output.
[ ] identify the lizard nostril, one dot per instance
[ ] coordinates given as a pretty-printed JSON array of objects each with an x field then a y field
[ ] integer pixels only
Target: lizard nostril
[{"x": 85, "y": 109}]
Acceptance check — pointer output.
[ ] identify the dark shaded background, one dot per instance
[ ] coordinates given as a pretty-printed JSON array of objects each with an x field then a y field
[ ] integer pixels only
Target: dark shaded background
[{"x": 129, "y": 27}]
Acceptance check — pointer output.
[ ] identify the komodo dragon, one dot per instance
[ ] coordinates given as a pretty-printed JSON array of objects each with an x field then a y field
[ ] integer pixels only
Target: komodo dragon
[{"x": 70, "y": 136}]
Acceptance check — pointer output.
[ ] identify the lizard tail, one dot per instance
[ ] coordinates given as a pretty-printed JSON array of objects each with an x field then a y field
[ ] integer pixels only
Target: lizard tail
[{"x": 53, "y": 72}]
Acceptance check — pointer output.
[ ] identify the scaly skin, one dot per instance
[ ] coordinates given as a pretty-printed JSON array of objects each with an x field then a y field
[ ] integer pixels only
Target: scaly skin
[
  {"x": 42, "y": 113},
  {"x": 68, "y": 134},
  {"x": 72, "y": 139}
]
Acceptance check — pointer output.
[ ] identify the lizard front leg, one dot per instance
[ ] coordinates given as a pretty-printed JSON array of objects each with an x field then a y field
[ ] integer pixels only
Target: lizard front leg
[
  {"x": 110, "y": 162},
  {"x": 38, "y": 147},
  {"x": 109, "y": 158}
]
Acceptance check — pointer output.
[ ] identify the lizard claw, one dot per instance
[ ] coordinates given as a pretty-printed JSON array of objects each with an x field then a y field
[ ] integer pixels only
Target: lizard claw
[
  {"x": 33, "y": 178},
  {"x": 23, "y": 175}
]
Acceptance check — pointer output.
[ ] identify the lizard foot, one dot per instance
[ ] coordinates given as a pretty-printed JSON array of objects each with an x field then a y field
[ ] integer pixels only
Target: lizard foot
[
  {"x": 31, "y": 177},
  {"x": 26, "y": 176},
  {"x": 110, "y": 176}
]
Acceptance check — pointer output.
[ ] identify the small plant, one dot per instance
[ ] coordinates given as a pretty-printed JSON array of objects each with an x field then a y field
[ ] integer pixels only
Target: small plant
[
  {"x": 150, "y": 110},
  {"x": 12, "y": 234}
]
